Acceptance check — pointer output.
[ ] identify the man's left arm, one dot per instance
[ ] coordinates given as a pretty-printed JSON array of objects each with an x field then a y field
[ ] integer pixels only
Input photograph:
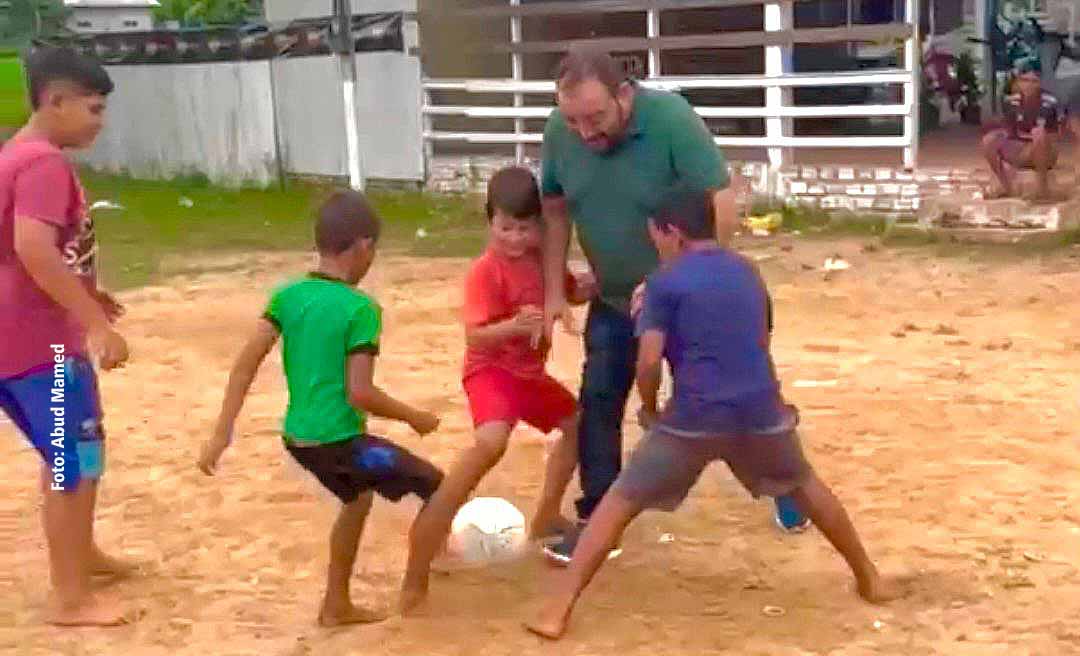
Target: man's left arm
[{"x": 698, "y": 161}]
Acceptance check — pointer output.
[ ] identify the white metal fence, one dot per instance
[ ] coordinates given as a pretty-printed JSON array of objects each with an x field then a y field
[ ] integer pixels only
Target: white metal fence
[{"x": 777, "y": 36}]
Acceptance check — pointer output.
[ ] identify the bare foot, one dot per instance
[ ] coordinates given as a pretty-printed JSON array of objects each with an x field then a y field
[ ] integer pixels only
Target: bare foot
[
  {"x": 550, "y": 622},
  {"x": 349, "y": 615},
  {"x": 412, "y": 601},
  {"x": 94, "y": 610},
  {"x": 881, "y": 590},
  {"x": 103, "y": 564}
]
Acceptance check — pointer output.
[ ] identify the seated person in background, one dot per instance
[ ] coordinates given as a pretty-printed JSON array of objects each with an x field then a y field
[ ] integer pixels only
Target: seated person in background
[{"x": 1032, "y": 123}]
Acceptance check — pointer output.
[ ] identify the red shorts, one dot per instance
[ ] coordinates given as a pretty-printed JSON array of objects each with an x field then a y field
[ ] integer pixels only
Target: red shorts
[{"x": 498, "y": 395}]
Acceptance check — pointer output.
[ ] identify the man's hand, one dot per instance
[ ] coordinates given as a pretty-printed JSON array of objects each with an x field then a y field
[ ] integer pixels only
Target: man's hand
[
  {"x": 109, "y": 346},
  {"x": 556, "y": 308},
  {"x": 585, "y": 287},
  {"x": 113, "y": 308},
  {"x": 211, "y": 452},
  {"x": 424, "y": 423}
]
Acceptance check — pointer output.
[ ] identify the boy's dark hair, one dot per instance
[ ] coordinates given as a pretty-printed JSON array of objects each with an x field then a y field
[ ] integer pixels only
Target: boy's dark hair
[
  {"x": 513, "y": 190},
  {"x": 690, "y": 209},
  {"x": 343, "y": 219},
  {"x": 588, "y": 62},
  {"x": 46, "y": 65}
]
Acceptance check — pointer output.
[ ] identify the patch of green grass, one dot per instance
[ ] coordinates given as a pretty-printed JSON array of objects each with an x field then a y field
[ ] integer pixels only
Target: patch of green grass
[
  {"x": 14, "y": 109},
  {"x": 155, "y": 224}
]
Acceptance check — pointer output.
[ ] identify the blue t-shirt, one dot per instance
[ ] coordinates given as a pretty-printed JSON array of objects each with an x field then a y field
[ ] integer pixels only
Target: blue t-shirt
[{"x": 715, "y": 313}]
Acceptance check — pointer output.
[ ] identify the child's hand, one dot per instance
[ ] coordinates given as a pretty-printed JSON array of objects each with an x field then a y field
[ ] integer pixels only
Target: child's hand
[
  {"x": 112, "y": 307},
  {"x": 211, "y": 453},
  {"x": 110, "y": 348},
  {"x": 529, "y": 321},
  {"x": 637, "y": 300},
  {"x": 646, "y": 418},
  {"x": 424, "y": 423}
]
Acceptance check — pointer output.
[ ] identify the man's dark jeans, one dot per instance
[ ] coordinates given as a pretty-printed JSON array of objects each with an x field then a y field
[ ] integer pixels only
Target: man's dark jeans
[{"x": 610, "y": 360}]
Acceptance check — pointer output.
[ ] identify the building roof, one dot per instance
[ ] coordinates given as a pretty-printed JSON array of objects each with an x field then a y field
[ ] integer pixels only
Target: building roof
[{"x": 111, "y": 4}]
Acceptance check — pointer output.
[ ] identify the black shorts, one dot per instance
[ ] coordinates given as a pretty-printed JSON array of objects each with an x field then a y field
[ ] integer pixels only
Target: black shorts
[{"x": 354, "y": 466}]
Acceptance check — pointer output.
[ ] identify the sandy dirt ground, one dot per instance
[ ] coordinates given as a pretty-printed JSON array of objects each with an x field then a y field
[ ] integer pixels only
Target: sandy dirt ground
[{"x": 939, "y": 397}]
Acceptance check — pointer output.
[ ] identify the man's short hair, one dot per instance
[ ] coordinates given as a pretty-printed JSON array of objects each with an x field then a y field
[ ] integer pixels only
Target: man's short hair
[
  {"x": 587, "y": 62},
  {"x": 345, "y": 218},
  {"x": 513, "y": 191},
  {"x": 688, "y": 208},
  {"x": 46, "y": 65}
]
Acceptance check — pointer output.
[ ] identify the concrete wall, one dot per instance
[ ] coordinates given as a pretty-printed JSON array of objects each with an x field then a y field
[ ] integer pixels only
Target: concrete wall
[
  {"x": 311, "y": 116},
  {"x": 110, "y": 19},
  {"x": 286, "y": 10},
  {"x": 172, "y": 120},
  {"x": 218, "y": 120}
]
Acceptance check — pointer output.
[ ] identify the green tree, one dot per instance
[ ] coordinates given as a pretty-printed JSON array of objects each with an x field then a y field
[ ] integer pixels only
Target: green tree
[
  {"x": 196, "y": 13},
  {"x": 21, "y": 20}
]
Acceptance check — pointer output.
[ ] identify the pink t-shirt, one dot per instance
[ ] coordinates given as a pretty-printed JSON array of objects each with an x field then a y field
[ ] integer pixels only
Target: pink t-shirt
[{"x": 38, "y": 183}]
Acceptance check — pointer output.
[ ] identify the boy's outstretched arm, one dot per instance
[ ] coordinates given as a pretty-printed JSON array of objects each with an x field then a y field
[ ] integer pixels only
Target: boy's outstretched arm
[
  {"x": 366, "y": 395},
  {"x": 240, "y": 379},
  {"x": 649, "y": 372}
]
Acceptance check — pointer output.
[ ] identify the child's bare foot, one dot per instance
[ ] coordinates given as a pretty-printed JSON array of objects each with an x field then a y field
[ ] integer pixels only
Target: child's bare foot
[
  {"x": 412, "y": 601},
  {"x": 93, "y": 610},
  {"x": 331, "y": 617},
  {"x": 102, "y": 564},
  {"x": 550, "y": 622},
  {"x": 881, "y": 590}
]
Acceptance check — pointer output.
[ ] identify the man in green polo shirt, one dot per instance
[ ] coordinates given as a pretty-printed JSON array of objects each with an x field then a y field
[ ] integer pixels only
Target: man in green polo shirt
[{"x": 611, "y": 150}]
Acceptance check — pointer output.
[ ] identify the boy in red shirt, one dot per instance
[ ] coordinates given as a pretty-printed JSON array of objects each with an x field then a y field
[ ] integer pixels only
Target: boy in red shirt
[
  {"x": 54, "y": 318},
  {"x": 504, "y": 374}
]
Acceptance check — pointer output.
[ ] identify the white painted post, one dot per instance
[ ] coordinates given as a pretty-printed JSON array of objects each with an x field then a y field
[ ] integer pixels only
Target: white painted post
[
  {"x": 517, "y": 72},
  {"x": 347, "y": 66},
  {"x": 653, "y": 32},
  {"x": 779, "y": 17},
  {"x": 912, "y": 66},
  {"x": 986, "y": 58},
  {"x": 429, "y": 143}
]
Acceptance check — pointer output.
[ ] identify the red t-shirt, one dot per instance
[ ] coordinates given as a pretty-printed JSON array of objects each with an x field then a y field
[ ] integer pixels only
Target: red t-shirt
[
  {"x": 496, "y": 288},
  {"x": 38, "y": 183}
]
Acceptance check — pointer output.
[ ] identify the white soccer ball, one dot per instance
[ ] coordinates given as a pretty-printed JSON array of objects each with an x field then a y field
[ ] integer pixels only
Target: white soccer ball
[{"x": 487, "y": 530}]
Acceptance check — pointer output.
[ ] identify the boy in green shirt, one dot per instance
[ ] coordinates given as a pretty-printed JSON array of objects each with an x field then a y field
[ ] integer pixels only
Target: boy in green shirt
[{"x": 331, "y": 337}]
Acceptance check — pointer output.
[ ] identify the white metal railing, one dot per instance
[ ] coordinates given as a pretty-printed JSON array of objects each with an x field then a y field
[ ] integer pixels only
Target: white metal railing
[{"x": 778, "y": 82}]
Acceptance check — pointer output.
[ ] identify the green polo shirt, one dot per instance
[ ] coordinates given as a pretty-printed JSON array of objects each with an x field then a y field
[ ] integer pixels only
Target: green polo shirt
[
  {"x": 610, "y": 195},
  {"x": 322, "y": 322}
]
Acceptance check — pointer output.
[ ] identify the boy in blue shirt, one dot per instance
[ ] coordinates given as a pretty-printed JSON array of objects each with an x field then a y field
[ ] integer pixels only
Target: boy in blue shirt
[{"x": 707, "y": 312}]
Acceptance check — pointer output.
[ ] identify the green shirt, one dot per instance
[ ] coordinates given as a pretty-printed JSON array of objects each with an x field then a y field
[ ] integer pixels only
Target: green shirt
[
  {"x": 322, "y": 321},
  {"x": 610, "y": 195}
]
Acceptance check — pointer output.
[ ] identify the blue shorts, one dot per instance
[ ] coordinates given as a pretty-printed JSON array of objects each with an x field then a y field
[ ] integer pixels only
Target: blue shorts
[{"x": 58, "y": 408}]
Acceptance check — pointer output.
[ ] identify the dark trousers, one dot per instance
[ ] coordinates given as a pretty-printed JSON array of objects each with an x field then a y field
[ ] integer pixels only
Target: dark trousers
[{"x": 610, "y": 360}]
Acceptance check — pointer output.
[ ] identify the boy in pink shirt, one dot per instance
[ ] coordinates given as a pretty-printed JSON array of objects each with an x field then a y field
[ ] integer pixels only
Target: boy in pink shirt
[{"x": 52, "y": 316}]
